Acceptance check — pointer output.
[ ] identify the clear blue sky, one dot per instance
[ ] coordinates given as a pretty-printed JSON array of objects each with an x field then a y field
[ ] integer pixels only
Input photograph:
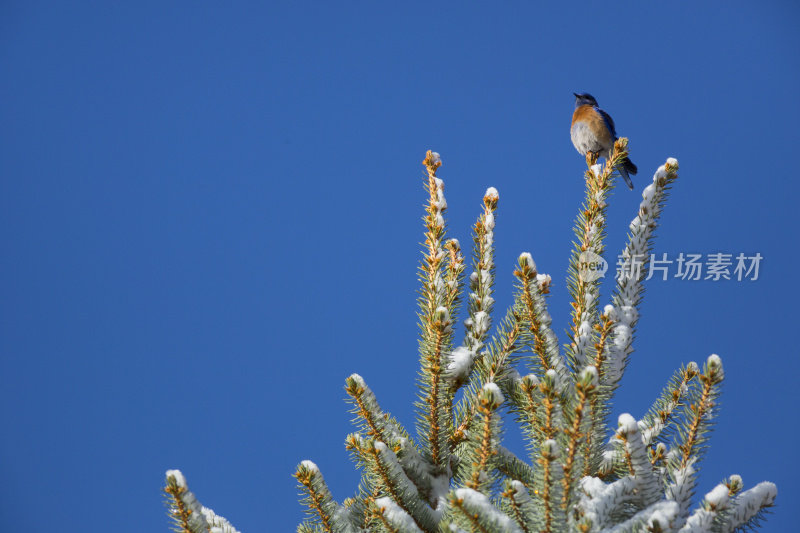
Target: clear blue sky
[{"x": 210, "y": 216}]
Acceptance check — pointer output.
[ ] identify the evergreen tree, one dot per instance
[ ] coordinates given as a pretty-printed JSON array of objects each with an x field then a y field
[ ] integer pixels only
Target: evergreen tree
[{"x": 456, "y": 475}]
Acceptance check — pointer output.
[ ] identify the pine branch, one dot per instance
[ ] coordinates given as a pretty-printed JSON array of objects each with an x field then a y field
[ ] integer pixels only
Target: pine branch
[
  {"x": 187, "y": 514},
  {"x": 434, "y": 318},
  {"x": 519, "y": 505},
  {"x": 661, "y": 419},
  {"x": 308, "y": 528},
  {"x": 461, "y": 361},
  {"x": 482, "y": 441},
  {"x": 636, "y": 256},
  {"x": 526, "y": 402},
  {"x": 598, "y": 402},
  {"x": 702, "y": 412},
  {"x": 481, "y": 280},
  {"x": 710, "y": 511},
  {"x": 216, "y": 523},
  {"x": 659, "y": 424},
  {"x": 386, "y": 478},
  {"x": 514, "y": 468},
  {"x": 584, "y": 387},
  {"x": 399, "y": 487},
  {"x": 550, "y": 472},
  {"x": 532, "y": 307},
  {"x": 184, "y": 509},
  {"x": 454, "y": 275},
  {"x": 476, "y": 512},
  {"x": 554, "y": 422},
  {"x": 358, "y": 506},
  {"x": 372, "y": 419},
  {"x": 655, "y": 518},
  {"x": 583, "y": 280},
  {"x": 616, "y": 326},
  {"x": 680, "y": 491},
  {"x": 600, "y": 503},
  {"x": 393, "y": 518},
  {"x": 492, "y": 366},
  {"x": 435, "y": 419},
  {"x": 324, "y": 511},
  {"x": 748, "y": 507},
  {"x": 379, "y": 425},
  {"x": 647, "y": 483}
]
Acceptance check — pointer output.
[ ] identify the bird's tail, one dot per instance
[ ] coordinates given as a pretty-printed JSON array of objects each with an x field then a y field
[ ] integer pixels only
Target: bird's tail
[{"x": 627, "y": 167}]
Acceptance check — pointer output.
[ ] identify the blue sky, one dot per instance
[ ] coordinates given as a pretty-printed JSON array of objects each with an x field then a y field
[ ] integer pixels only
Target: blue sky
[{"x": 210, "y": 216}]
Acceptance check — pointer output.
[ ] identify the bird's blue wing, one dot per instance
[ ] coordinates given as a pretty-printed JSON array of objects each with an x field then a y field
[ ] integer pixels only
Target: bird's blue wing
[{"x": 609, "y": 122}]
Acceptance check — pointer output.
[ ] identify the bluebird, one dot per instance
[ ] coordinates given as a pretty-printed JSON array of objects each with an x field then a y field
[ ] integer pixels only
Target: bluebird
[{"x": 593, "y": 131}]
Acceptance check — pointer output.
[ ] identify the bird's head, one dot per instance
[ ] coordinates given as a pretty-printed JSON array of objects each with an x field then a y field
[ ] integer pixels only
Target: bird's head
[{"x": 584, "y": 99}]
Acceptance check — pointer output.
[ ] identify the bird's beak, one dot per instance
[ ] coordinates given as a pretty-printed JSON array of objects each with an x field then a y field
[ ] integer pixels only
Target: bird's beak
[{"x": 575, "y": 95}]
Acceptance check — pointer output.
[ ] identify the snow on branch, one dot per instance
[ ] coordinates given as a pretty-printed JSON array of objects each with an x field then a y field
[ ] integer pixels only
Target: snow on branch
[
  {"x": 532, "y": 307},
  {"x": 748, "y": 506},
  {"x": 322, "y": 511},
  {"x": 635, "y": 258},
  {"x": 187, "y": 513},
  {"x": 647, "y": 483},
  {"x": 474, "y": 510}
]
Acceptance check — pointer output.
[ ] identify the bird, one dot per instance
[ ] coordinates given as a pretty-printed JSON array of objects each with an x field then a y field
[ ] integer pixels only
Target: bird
[{"x": 593, "y": 131}]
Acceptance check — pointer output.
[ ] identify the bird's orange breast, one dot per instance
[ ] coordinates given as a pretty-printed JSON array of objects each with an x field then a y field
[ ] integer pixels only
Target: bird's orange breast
[{"x": 588, "y": 115}]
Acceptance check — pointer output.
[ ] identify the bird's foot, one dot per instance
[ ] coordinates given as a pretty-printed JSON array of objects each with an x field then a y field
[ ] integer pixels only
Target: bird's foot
[{"x": 591, "y": 158}]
